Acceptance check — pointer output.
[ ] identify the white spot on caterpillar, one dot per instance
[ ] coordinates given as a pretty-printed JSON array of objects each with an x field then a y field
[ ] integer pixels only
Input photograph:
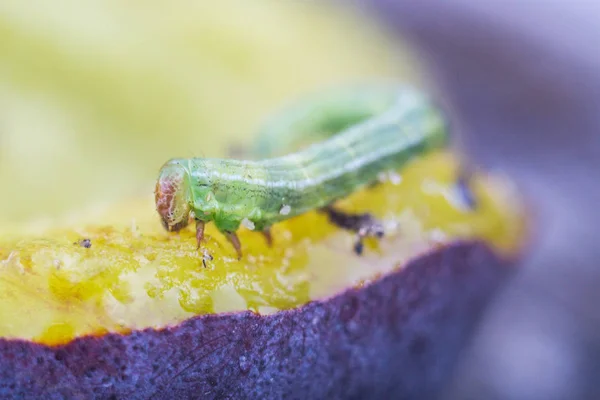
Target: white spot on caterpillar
[
  {"x": 248, "y": 224},
  {"x": 285, "y": 209}
]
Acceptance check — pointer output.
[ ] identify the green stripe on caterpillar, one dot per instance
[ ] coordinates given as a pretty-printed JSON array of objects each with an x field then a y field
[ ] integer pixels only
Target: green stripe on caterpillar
[{"x": 374, "y": 130}]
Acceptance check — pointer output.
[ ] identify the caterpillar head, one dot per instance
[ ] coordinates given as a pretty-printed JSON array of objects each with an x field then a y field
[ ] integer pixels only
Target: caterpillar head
[{"x": 172, "y": 196}]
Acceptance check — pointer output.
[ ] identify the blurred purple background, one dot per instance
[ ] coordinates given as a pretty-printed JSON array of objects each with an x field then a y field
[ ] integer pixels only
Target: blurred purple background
[{"x": 523, "y": 82}]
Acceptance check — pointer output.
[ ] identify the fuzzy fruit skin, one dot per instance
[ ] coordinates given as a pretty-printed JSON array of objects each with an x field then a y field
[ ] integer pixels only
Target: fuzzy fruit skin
[{"x": 398, "y": 337}]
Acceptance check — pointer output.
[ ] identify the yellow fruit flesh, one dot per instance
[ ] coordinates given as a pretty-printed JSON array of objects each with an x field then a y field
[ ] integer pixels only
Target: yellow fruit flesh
[{"x": 136, "y": 275}]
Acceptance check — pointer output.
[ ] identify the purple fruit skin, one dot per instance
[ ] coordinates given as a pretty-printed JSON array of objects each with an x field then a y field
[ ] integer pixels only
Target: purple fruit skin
[{"x": 397, "y": 338}]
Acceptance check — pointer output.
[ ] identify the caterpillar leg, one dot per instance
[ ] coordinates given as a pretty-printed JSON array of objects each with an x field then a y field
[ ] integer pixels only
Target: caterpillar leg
[
  {"x": 365, "y": 225},
  {"x": 199, "y": 232},
  {"x": 231, "y": 236},
  {"x": 235, "y": 241},
  {"x": 199, "y": 237},
  {"x": 268, "y": 237}
]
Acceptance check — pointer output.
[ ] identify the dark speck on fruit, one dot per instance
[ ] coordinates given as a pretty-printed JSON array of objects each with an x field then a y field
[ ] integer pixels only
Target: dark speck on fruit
[{"x": 87, "y": 243}]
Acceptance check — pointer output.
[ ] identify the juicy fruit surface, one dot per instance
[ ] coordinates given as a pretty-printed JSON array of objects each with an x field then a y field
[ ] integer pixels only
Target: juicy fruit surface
[{"x": 116, "y": 269}]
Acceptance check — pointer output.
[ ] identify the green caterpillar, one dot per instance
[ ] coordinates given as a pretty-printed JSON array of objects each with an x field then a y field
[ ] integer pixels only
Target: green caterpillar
[{"x": 374, "y": 130}]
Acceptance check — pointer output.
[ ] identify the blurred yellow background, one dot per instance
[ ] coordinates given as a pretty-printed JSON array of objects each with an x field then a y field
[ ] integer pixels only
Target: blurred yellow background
[{"x": 95, "y": 96}]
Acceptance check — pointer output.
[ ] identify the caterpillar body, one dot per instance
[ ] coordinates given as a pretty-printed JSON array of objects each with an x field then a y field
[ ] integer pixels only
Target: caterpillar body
[{"x": 374, "y": 130}]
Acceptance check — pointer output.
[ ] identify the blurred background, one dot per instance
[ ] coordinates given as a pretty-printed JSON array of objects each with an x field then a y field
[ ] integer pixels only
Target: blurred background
[
  {"x": 523, "y": 79},
  {"x": 95, "y": 96}
]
